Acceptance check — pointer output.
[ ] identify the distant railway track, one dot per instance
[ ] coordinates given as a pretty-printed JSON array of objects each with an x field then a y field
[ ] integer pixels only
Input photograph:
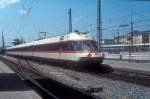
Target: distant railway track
[
  {"x": 131, "y": 60},
  {"x": 48, "y": 88},
  {"x": 127, "y": 75}
]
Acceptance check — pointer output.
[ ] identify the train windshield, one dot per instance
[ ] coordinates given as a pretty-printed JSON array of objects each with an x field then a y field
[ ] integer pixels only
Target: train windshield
[{"x": 85, "y": 45}]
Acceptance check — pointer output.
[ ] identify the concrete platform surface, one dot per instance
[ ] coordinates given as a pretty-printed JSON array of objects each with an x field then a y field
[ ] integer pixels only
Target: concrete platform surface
[
  {"x": 5, "y": 69},
  {"x": 19, "y": 95},
  {"x": 12, "y": 87},
  {"x": 128, "y": 65}
]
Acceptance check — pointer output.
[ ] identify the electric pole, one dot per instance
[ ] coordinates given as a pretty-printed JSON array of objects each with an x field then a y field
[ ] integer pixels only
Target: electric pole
[
  {"x": 70, "y": 20},
  {"x": 3, "y": 44},
  {"x": 131, "y": 39},
  {"x": 118, "y": 38},
  {"x": 132, "y": 32},
  {"x": 99, "y": 24}
]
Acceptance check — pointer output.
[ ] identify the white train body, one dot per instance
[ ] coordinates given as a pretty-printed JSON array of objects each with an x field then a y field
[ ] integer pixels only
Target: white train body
[{"x": 72, "y": 47}]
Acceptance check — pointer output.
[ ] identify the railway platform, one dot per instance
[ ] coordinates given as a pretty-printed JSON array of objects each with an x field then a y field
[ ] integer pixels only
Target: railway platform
[
  {"x": 145, "y": 67},
  {"x": 11, "y": 86}
]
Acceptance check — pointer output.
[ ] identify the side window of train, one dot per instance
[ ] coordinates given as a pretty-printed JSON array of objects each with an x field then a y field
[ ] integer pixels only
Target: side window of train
[
  {"x": 75, "y": 46},
  {"x": 70, "y": 46}
]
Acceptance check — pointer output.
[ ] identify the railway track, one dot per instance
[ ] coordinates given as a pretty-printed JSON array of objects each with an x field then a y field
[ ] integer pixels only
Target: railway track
[
  {"x": 127, "y": 75},
  {"x": 47, "y": 88}
]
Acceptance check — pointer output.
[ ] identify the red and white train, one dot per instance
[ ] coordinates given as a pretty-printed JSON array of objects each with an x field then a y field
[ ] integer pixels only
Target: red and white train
[{"x": 77, "y": 48}]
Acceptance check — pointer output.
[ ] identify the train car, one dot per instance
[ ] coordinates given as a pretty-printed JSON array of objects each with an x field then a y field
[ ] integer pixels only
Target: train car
[{"x": 72, "y": 48}]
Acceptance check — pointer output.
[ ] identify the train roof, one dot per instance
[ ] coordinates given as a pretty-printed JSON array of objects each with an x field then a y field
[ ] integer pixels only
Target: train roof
[{"x": 65, "y": 37}]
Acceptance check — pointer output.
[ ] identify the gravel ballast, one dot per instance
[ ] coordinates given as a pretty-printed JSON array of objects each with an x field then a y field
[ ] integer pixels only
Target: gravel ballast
[{"x": 106, "y": 88}]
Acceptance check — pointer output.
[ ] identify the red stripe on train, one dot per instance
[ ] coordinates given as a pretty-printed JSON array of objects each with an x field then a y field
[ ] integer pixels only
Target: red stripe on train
[{"x": 82, "y": 51}]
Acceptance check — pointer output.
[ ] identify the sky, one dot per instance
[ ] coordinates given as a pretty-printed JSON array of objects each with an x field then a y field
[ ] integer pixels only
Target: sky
[{"x": 26, "y": 18}]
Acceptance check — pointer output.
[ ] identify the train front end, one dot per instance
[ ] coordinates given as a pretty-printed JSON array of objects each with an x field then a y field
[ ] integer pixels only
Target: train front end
[
  {"x": 87, "y": 52},
  {"x": 90, "y": 55}
]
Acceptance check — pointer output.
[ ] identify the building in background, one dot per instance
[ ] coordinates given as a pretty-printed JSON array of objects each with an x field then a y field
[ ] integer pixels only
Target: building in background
[{"x": 139, "y": 37}]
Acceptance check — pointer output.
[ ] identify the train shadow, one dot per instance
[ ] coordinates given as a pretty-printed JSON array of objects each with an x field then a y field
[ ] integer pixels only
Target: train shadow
[{"x": 102, "y": 68}]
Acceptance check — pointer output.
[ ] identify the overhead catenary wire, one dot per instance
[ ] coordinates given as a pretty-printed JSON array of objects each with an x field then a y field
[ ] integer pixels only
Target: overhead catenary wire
[
  {"x": 11, "y": 28},
  {"x": 135, "y": 13},
  {"x": 84, "y": 20},
  {"x": 27, "y": 10},
  {"x": 124, "y": 7}
]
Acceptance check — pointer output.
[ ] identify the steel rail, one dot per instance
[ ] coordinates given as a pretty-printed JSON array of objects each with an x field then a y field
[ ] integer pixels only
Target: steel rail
[
  {"x": 34, "y": 81},
  {"x": 129, "y": 76},
  {"x": 23, "y": 74},
  {"x": 72, "y": 91}
]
